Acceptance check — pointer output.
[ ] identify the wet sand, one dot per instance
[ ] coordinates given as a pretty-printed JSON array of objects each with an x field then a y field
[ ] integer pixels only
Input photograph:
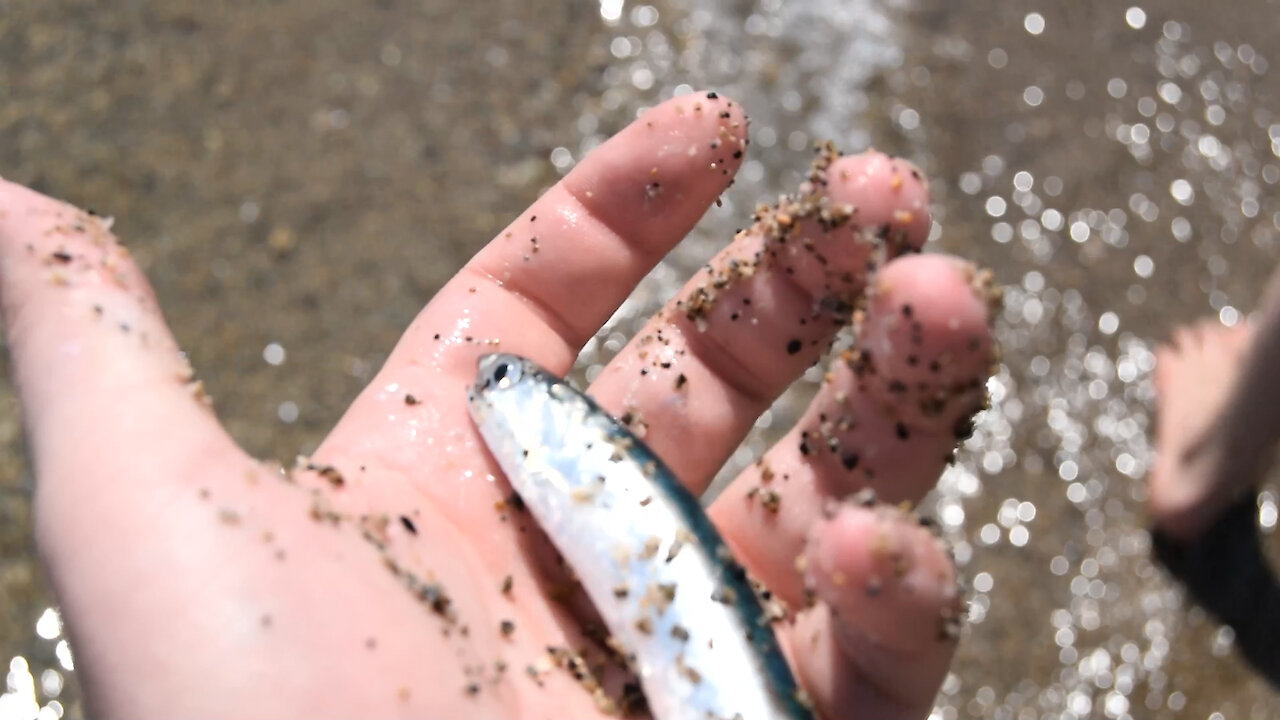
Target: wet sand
[
  {"x": 1092, "y": 300},
  {"x": 301, "y": 178}
]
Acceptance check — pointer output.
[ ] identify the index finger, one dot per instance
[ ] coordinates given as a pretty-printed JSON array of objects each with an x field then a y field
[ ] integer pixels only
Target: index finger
[{"x": 548, "y": 281}]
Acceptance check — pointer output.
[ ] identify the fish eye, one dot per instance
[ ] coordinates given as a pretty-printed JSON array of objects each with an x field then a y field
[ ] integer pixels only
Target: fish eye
[{"x": 503, "y": 373}]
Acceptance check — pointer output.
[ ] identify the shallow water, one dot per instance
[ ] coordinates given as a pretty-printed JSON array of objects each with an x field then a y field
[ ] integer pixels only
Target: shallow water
[{"x": 298, "y": 180}]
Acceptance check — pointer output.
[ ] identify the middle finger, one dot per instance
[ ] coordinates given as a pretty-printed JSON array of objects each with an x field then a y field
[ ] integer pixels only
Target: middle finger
[{"x": 763, "y": 310}]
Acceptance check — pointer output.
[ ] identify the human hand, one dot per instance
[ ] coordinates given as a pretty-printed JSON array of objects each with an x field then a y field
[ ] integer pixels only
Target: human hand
[{"x": 390, "y": 576}]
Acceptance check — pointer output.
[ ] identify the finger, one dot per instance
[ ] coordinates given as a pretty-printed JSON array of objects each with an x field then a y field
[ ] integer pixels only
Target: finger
[
  {"x": 886, "y": 417},
  {"x": 548, "y": 281},
  {"x": 116, "y": 425},
  {"x": 882, "y": 635},
  {"x": 763, "y": 310}
]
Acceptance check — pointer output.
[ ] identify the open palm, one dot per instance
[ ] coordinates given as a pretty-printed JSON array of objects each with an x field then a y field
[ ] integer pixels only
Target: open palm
[{"x": 393, "y": 574}]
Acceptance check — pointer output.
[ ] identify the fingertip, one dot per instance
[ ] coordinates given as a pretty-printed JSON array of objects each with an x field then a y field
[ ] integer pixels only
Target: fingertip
[
  {"x": 927, "y": 331},
  {"x": 702, "y": 128},
  {"x": 697, "y": 113},
  {"x": 664, "y": 169},
  {"x": 884, "y": 575},
  {"x": 941, "y": 298},
  {"x": 882, "y": 636},
  {"x": 892, "y": 195},
  {"x": 829, "y": 236}
]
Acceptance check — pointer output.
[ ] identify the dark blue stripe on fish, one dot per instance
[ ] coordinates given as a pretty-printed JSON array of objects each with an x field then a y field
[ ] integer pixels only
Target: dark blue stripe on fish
[{"x": 731, "y": 575}]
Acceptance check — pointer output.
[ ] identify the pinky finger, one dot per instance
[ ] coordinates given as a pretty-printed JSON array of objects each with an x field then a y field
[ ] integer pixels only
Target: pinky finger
[{"x": 881, "y": 636}]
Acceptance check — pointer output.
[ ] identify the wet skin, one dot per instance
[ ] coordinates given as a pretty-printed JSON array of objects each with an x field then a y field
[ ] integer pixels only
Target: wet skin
[
  {"x": 391, "y": 575},
  {"x": 1219, "y": 417}
]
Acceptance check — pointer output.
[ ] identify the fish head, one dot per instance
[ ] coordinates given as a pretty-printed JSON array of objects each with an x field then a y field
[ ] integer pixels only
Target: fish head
[{"x": 510, "y": 401}]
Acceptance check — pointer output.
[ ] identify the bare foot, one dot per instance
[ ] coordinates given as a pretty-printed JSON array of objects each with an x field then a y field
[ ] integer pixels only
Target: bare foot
[
  {"x": 1200, "y": 468},
  {"x": 1219, "y": 422}
]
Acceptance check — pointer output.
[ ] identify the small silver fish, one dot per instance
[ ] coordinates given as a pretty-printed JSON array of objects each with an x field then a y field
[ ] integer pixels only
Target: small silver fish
[{"x": 676, "y": 602}]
